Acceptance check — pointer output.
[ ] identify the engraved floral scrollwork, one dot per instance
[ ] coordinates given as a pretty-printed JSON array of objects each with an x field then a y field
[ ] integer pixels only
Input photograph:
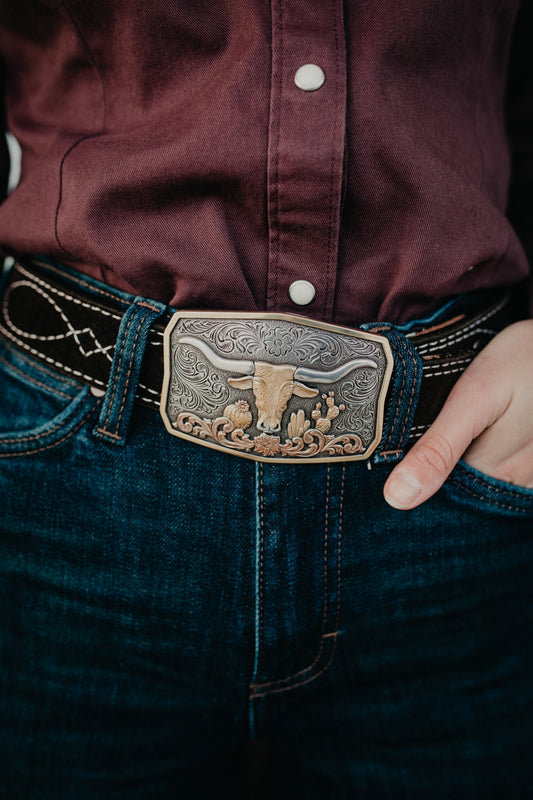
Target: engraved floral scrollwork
[
  {"x": 323, "y": 396},
  {"x": 361, "y": 386},
  {"x": 195, "y": 385},
  {"x": 279, "y": 342},
  {"x": 312, "y": 443},
  {"x": 228, "y": 337},
  {"x": 267, "y": 445},
  {"x": 216, "y": 429},
  {"x": 319, "y": 444},
  {"x": 261, "y": 339}
]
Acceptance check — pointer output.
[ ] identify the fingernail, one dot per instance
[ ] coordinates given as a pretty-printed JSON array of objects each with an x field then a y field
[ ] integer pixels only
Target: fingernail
[{"x": 402, "y": 490}]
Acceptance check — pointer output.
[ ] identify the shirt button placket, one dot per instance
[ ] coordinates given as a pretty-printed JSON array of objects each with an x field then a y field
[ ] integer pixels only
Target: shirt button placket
[{"x": 305, "y": 154}]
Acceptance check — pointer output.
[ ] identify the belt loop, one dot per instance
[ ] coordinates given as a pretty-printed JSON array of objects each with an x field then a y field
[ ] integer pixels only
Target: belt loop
[
  {"x": 403, "y": 397},
  {"x": 124, "y": 376}
]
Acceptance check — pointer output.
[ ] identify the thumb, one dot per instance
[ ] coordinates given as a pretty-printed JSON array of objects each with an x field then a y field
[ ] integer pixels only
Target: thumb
[{"x": 471, "y": 406}]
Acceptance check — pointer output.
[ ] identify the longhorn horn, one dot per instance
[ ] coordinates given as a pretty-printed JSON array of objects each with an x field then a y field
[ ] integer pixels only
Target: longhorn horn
[
  {"x": 317, "y": 376},
  {"x": 227, "y": 364}
]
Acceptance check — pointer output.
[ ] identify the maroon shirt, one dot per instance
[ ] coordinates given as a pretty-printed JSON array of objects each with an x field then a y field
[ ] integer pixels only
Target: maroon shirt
[{"x": 167, "y": 146}]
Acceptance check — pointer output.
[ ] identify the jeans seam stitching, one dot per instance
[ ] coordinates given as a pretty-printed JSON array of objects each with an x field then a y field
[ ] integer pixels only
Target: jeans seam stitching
[
  {"x": 326, "y": 534},
  {"x": 294, "y": 676},
  {"x": 261, "y": 566},
  {"x": 48, "y": 446},
  {"x": 33, "y": 380},
  {"x": 103, "y": 429},
  {"x": 87, "y": 378},
  {"x": 400, "y": 398},
  {"x": 276, "y": 689},
  {"x": 128, "y": 376},
  {"x": 413, "y": 391},
  {"x": 486, "y": 499},
  {"x": 38, "y": 365},
  {"x": 339, "y": 549}
]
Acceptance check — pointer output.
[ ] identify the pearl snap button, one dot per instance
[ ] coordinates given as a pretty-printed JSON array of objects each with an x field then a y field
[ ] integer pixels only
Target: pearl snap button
[
  {"x": 302, "y": 292},
  {"x": 309, "y": 78}
]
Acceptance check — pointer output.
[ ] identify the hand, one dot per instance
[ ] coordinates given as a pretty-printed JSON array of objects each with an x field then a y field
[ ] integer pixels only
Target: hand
[{"x": 487, "y": 419}]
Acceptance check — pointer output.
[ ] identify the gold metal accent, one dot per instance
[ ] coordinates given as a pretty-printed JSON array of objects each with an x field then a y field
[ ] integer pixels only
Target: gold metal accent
[
  {"x": 253, "y": 385},
  {"x": 298, "y": 424},
  {"x": 239, "y": 413}
]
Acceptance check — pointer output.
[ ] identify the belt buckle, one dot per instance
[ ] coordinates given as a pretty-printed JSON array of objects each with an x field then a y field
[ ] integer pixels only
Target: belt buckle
[{"x": 274, "y": 387}]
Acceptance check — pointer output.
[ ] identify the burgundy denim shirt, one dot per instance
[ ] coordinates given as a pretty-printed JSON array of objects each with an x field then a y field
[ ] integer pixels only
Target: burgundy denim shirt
[{"x": 167, "y": 147}]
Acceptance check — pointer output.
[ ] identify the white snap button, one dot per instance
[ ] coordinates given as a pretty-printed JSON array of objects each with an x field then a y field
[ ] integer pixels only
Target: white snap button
[
  {"x": 309, "y": 78},
  {"x": 302, "y": 292}
]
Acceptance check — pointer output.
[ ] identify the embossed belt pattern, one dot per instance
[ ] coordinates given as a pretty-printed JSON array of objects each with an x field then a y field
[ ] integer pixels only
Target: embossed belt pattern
[{"x": 265, "y": 386}]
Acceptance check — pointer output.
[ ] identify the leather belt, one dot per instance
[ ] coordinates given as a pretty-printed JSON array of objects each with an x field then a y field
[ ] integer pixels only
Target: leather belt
[{"x": 322, "y": 380}]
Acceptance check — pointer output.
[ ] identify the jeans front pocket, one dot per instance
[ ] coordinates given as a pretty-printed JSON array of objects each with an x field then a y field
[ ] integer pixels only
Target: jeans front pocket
[
  {"x": 469, "y": 486},
  {"x": 39, "y": 409}
]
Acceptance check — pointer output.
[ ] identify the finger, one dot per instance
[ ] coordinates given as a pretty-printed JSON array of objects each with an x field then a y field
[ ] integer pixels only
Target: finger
[{"x": 470, "y": 408}]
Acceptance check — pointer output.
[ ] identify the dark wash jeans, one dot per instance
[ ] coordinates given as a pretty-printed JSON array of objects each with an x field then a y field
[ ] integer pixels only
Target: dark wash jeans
[{"x": 163, "y": 603}]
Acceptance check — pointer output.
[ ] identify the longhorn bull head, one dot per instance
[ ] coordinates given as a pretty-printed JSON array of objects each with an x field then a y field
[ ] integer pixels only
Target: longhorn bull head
[{"x": 274, "y": 384}]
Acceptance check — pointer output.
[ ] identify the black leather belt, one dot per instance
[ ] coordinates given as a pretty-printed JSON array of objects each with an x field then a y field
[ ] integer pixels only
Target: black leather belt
[{"x": 71, "y": 325}]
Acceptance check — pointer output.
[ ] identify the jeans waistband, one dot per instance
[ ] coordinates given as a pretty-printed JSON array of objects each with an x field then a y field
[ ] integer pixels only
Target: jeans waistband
[{"x": 113, "y": 341}]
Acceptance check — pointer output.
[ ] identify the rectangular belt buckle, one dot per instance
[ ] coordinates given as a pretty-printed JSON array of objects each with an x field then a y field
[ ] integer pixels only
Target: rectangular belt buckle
[{"x": 274, "y": 387}]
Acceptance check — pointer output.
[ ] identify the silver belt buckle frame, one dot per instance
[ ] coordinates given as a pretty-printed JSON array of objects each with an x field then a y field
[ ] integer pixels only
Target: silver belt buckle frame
[{"x": 274, "y": 387}]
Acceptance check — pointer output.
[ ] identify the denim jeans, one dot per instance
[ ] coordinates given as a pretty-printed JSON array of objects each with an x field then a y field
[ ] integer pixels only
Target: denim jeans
[{"x": 163, "y": 603}]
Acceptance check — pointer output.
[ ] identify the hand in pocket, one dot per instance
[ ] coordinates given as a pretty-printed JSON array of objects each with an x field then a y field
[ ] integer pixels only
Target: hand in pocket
[{"x": 487, "y": 419}]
